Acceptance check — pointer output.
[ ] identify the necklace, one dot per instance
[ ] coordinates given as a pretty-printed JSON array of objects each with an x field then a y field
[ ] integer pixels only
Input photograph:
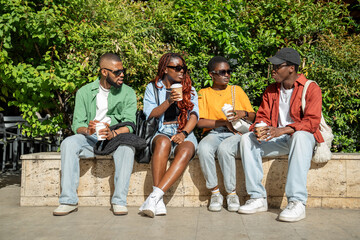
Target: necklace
[{"x": 219, "y": 92}]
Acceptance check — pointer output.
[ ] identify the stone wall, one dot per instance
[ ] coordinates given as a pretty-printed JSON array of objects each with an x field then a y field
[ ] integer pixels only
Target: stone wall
[{"x": 335, "y": 184}]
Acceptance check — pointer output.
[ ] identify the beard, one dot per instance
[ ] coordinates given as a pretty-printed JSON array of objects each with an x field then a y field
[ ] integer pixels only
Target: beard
[{"x": 112, "y": 83}]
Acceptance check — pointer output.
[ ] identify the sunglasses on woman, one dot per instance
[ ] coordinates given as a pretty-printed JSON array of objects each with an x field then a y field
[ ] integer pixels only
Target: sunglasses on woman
[
  {"x": 117, "y": 72},
  {"x": 178, "y": 68},
  {"x": 223, "y": 72}
]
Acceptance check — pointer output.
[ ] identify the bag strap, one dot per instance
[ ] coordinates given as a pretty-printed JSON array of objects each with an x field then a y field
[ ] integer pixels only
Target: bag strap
[
  {"x": 303, "y": 101},
  {"x": 156, "y": 93},
  {"x": 233, "y": 96}
]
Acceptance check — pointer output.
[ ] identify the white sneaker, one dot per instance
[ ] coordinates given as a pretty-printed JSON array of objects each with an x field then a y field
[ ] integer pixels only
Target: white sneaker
[
  {"x": 294, "y": 211},
  {"x": 149, "y": 206},
  {"x": 233, "y": 203},
  {"x": 216, "y": 203},
  {"x": 160, "y": 209},
  {"x": 64, "y": 209},
  {"x": 254, "y": 205},
  {"x": 119, "y": 210}
]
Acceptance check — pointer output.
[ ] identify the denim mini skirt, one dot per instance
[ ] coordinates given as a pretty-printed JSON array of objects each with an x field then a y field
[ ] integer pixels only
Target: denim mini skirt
[{"x": 170, "y": 130}]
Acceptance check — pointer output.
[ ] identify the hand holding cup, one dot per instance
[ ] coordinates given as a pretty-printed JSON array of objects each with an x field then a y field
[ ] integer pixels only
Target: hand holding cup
[
  {"x": 228, "y": 110},
  {"x": 103, "y": 131},
  {"x": 176, "y": 92},
  {"x": 261, "y": 131}
]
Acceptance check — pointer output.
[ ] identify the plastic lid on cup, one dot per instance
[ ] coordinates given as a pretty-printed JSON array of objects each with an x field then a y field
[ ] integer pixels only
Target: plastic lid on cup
[
  {"x": 176, "y": 85},
  {"x": 261, "y": 124}
]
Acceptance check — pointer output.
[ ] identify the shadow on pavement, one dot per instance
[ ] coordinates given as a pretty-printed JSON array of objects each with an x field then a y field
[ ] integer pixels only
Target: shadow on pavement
[{"x": 9, "y": 178}]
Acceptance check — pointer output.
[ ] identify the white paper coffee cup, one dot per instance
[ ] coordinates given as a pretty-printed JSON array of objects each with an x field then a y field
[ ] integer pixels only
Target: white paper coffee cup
[
  {"x": 258, "y": 128},
  {"x": 227, "y": 110},
  {"x": 98, "y": 127},
  {"x": 178, "y": 88}
]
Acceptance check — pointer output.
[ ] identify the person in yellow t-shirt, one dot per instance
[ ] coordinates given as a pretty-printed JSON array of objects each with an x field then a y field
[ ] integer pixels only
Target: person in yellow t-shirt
[{"x": 221, "y": 139}]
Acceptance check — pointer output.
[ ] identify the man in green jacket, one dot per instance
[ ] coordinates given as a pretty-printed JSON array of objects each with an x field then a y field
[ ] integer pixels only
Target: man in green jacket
[{"x": 109, "y": 101}]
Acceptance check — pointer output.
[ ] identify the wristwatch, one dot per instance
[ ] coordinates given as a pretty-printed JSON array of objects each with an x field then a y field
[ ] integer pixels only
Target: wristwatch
[
  {"x": 246, "y": 114},
  {"x": 185, "y": 133}
]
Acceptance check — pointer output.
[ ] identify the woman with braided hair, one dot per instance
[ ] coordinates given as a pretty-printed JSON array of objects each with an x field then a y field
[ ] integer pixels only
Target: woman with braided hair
[{"x": 177, "y": 119}]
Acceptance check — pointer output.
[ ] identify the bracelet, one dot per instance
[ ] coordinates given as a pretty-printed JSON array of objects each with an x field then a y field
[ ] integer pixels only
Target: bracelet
[
  {"x": 185, "y": 133},
  {"x": 246, "y": 114},
  {"x": 114, "y": 133}
]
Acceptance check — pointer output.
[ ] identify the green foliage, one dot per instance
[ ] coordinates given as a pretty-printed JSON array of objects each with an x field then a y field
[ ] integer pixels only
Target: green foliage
[
  {"x": 335, "y": 65},
  {"x": 49, "y": 49}
]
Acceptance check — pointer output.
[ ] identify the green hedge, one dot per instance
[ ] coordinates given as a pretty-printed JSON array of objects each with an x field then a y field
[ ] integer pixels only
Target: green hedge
[{"x": 50, "y": 48}]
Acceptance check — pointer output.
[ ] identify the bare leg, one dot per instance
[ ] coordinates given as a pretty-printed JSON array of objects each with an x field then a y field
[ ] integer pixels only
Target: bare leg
[
  {"x": 183, "y": 154},
  {"x": 161, "y": 150}
]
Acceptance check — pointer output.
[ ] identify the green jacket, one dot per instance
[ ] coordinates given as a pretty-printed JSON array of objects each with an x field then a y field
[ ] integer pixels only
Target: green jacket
[{"x": 122, "y": 105}]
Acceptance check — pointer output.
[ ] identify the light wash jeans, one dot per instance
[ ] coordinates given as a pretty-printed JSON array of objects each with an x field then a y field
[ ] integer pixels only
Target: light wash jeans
[
  {"x": 226, "y": 145},
  {"x": 300, "y": 148},
  {"x": 77, "y": 146}
]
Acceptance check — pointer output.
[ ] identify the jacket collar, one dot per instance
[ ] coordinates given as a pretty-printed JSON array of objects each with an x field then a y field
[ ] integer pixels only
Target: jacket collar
[
  {"x": 301, "y": 80},
  {"x": 95, "y": 87}
]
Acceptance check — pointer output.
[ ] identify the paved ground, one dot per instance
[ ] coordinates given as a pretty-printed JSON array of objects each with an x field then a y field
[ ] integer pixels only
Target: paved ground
[{"x": 181, "y": 223}]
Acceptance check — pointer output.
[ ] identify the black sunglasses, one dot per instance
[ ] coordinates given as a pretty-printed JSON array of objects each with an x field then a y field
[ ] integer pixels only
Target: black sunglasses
[
  {"x": 178, "y": 68},
  {"x": 223, "y": 72},
  {"x": 277, "y": 67},
  {"x": 117, "y": 72}
]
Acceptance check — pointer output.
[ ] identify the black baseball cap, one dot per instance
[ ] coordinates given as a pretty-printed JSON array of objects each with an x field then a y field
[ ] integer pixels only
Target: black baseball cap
[{"x": 285, "y": 55}]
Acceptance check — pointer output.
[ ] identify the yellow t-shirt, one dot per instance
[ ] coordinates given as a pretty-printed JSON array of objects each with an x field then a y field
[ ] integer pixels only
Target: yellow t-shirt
[{"x": 211, "y": 102}]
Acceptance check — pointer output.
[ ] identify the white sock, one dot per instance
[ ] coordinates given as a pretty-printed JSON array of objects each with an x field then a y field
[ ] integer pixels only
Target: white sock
[
  {"x": 158, "y": 192},
  {"x": 232, "y": 193},
  {"x": 215, "y": 192}
]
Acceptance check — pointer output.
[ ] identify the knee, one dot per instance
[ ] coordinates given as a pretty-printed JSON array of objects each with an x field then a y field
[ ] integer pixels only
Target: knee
[
  {"x": 300, "y": 136},
  {"x": 246, "y": 139},
  {"x": 207, "y": 145},
  {"x": 161, "y": 143},
  {"x": 225, "y": 150},
  {"x": 70, "y": 142},
  {"x": 203, "y": 149},
  {"x": 125, "y": 151}
]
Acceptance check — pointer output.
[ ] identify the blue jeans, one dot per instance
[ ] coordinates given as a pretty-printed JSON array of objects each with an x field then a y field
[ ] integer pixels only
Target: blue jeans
[
  {"x": 300, "y": 148},
  {"x": 79, "y": 146},
  {"x": 225, "y": 145}
]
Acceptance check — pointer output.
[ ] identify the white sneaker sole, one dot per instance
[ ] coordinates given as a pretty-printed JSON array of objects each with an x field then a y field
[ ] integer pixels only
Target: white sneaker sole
[
  {"x": 160, "y": 213},
  {"x": 148, "y": 213},
  {"x": 252, "y": 211},
  {"x": 292, "y": 219},
  {"x": 233, "y": 209},
  {"x": 215, "y": 209},
  {"x": 64, "y": 213},
  {"x": 120, "y": 213}
]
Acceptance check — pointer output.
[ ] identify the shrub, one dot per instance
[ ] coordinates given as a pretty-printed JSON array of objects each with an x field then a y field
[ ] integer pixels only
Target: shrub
[{"x": 50, "y": 49}]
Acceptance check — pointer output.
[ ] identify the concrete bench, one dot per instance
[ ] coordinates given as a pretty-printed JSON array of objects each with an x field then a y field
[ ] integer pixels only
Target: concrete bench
[{"x": 335, "y": 184}]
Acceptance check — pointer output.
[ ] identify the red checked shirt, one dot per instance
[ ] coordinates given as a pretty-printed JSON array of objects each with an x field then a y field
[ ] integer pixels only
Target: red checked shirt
[{"x": 309, "y": 121}]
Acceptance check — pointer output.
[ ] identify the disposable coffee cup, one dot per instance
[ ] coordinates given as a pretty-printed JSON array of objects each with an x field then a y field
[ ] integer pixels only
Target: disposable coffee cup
[
  {"x": 98, "y": 127},
  {"x": 177, "y": 87},
  {"x": 227, "y": 110}
]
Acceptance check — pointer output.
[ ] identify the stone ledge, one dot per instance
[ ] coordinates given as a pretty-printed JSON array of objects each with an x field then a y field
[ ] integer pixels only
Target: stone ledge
[{"x": 332, "y": 185}]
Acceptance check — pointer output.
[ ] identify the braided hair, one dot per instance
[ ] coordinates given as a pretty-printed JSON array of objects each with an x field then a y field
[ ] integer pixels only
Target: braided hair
[{"x": 185, "y": 105}]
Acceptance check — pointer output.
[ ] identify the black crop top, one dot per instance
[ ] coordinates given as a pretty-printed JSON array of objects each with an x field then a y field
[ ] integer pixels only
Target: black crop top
[{"x": 173, "y": 111}]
